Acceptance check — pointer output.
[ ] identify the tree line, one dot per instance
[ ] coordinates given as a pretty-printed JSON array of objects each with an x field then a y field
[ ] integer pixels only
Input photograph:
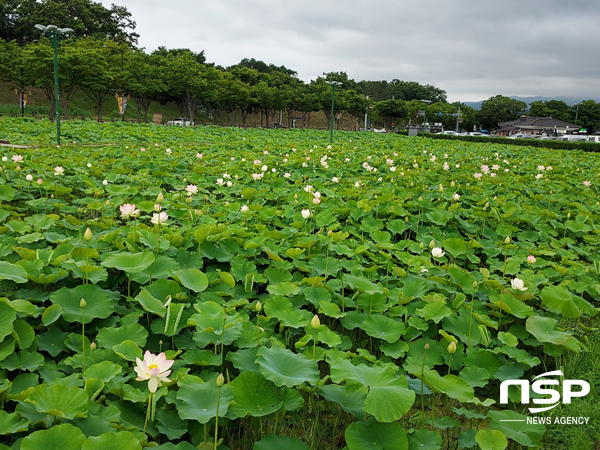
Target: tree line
[{"x": 101, "y": 58}]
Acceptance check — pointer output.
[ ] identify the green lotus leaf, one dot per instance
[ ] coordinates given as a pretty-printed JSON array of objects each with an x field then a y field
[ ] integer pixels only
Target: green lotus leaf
[
  {"x": 60, "y": 401},
  {"x": 151, "y": 303},
  {"x": 128, "y": 350},
  {"x": 59, "y": 437},
  {"x": 455, "y": 246},
  {"x": 51, "y": 314},
  {"x": 23, "y": 360},
  {"x": 105, "y": 371},
  {"x": 383, "y": 327},
  {"x": 98, "y": 303},
  {"x": 199, "y": 401},
  {"x": 351, "y": 402},
  {"x": 435, "y": 311},
  {"x": 13, "y": 272},
  {"x": 423, "y": 439},
  {"x": 11, "y": 423},
  {"x": 192, "y": 279},
  {"x": 560, "y": 301},
  {"x": 109, "y": 337},
  {"x": 7, "y": 193},
  {"x": 373, "y": 435},
  {"x": 253, "y": 395},
  {"x": 491, "y": 439},
  {"x": 529, "y": 436},
  {"x": 122, "y": 440},
  {"x": 23, "y": 334},
  {"x": 463, "y": 279},
  {"x": 7, "y": 318},
  {"x": 363, "y": 285},
  {"x": 129, "y": 262},
  {"x": 451, "y": 385},
  {"x": 543, "y": 329},
  {"x": 169, "y": 424},
  {"x": 285, "y": 288},
  {"x": 272, "y": 442},
  {"x": 285, "y": 368}
]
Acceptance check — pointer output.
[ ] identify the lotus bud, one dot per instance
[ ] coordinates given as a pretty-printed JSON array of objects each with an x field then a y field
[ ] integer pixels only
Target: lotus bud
[
  {"x": 220, "y": 380},
  {"x": 568, "y": 215},
  {"x": 107, "y": 202},
  {"x": 160, "y": 342},
  {"x": 421, "y": 245},
  {"x": 406, "y": 219},
  {"x": 412, "y": 184},
  {"x": 315, "y": 322},
  {"x": 188, "y": 200},
  {"x": 475, "y": 284},
  {"x": 93, "y": 346},
  {"x": 88, "y": 234},
  {"x": 453, "y": 184},
  {"x": 507, "y": 240},
  {"x": 427, "y": 346},
  {"x": 157, "y": 207},
  {"x": 82, "y": 303},
  {"x": 452, "y": 348},
  {"x": 432, "y": 244},
  {"x": 160, "y": 198},
  {"x": 258, "y": 307}
]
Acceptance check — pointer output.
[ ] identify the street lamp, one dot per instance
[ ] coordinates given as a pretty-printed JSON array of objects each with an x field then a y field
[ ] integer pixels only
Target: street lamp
[
  {"x": 425, "y": 114},
  {"x": 333, "y": 85},
  {"x": 53, "y": 32},
  {"x": 577, "y": 112}
]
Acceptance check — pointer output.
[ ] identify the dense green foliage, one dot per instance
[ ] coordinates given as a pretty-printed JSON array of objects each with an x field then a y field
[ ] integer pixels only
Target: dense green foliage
[{"x": 370, "y": 294}]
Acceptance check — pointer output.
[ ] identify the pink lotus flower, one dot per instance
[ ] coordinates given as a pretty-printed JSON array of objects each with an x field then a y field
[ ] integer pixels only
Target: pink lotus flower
[
  {"x": 128, "y": 210},
  {"x": 153, "y": 368},
  {"x": 191, "y": 189},
  {"x": 17, "y": 158},
  {"x": 531, "y": 259},
  {"x": 587, "y": 183}
]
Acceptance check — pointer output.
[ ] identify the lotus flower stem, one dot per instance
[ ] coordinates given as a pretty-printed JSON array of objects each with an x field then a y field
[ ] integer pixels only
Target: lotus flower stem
[
  {"x": 220, "y": 381},
  {"x": 146, "y": 421},
  {"x": 422, "y": 385},
  {"x": 83, "y": 304}
]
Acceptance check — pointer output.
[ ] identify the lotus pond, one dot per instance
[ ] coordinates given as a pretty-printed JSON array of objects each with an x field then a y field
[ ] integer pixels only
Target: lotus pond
[{"x": 369, "y": 294}]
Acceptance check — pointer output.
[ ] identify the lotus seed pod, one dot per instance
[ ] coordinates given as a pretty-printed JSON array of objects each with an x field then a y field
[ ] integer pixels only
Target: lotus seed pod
[
  {"x": 452, "y": 348},
  {"x": 88, "y": 234},
  {"x": 315, "y": 322},
  {"x": 82, "y": 303},
  {"x": 220, "y": 380}
]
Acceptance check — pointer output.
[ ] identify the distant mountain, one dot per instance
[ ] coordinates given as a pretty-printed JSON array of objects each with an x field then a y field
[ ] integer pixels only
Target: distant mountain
[{"x": 568, "y": 100}]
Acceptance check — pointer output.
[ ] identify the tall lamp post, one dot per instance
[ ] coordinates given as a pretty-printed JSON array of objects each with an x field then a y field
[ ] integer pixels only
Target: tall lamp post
[
  {"x": 577, "y": 112},
  {"x": 53, "y": 32},
  {"x": 425, "y": 114},
  {"x": 333, "y": 85}
]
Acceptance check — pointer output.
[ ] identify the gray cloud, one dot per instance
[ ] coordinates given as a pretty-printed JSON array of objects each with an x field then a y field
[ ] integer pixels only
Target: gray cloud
[{"x": 472, "y": 49}]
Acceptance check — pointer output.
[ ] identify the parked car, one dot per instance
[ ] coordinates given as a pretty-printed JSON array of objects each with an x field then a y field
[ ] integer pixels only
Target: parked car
[
  {"x": 180, "y": 122},
  {"x": 574, "y": 138},
  {"x": 594, "y": 138},
  {"x": 477, "y": 133},
  {"x": 450, "y": 132}
]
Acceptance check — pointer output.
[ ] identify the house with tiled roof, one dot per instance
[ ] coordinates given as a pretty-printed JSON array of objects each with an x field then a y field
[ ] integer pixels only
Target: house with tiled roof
[{"x": 536, "y": 125}]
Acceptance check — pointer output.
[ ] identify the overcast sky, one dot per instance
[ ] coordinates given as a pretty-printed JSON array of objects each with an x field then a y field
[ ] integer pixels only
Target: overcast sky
[{"x": 471, "y": 49}]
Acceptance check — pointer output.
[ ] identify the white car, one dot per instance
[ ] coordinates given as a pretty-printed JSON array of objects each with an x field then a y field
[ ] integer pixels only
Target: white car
[{"x": 180, "y": 122}]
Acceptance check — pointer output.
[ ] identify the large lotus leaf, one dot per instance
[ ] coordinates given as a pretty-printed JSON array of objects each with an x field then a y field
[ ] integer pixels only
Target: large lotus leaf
[
  {"x": 59, "y": 437},
  {"x": 504, "y": 421},
  {"x": 7, "y": 193},
  {"x": 351, "y": 402},
  {"x": 128, "y": 350},
  {"x": 435, "y": 311},
  {"x": 491, "y": 439},
  {"x": 272, "y": 442},
  {"x": 451, "y": 385},
  {"x": 109, "y": 337},
  {"x": 60, "y": 401},
  {"x": 199, "y": 401},
  {"x": 363, "y": 285},
  {"x": 286, "y": 288},
  {"x": 10, "y": 423},
  {"x": 98, "y": 303},
  {"x": 423, "y": 439},
  {"x": 543, "y": 329},
  {"x": 464, "y": 279},
  {"x": 23, "y": 334},
  {"x": 192, "y": 279},
  {"x": 169, "y": 423},
  {"x": 163, "y": 267},
  {"x": 285, "y": 368},
  {"x": 7, "y": 317},
  {"x": 100, "y": 419},
  {"x": 129, "y": 262},
  {"x": 560, "y": 301},
  {"x": 105, "y": 371},
  {"x": 455, "y": 246},
  {"x": 512, "y": 305},
  {"x": 123, "y": 440},
  {"x": 373, "y": 435},
  {"x": 180, "y": 446},
  {"x": 254, "y": 395},
  {"x": 389, "y": 397},
  {"x": 383, "y": 327},
  {"x": 151, "y": 303},
  {"x": 23, "y": 360},
  {"x": 463, "y": 328},
  {"x": 9, "y": 271}
]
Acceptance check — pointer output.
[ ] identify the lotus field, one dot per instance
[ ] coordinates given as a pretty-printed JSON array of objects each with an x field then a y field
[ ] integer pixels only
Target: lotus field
[{"x": 225, "y": 288}]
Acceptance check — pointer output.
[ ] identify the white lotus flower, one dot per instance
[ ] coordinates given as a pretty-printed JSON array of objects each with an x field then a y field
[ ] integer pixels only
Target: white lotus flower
[{"x": 518, "y": 284}]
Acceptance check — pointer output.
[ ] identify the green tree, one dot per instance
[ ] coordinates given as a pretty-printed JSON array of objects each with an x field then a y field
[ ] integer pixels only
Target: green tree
[
  {"x": 390, "y": 111},
  {"x": 552, "y": 108},
  {"x": 500, "y": 109},
  {"x": 85, "y": 17},
  {"x": 587, "y": 115}
]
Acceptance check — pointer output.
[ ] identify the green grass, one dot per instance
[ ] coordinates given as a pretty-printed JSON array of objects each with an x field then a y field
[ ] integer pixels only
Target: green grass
[{"x": 582, "y": 366}]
